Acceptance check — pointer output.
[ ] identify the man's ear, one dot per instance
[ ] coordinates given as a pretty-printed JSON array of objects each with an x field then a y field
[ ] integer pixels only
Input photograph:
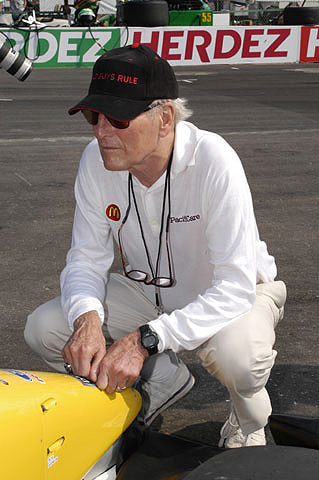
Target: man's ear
[{"x": 167, "y": 119}]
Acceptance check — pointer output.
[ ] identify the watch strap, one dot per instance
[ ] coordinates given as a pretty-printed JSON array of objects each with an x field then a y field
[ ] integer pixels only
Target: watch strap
[{"x": 147, "y": 332}]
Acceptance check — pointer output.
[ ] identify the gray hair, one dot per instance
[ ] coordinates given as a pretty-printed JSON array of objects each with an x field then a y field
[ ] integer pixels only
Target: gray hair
[{"x": 182, "y": 111}]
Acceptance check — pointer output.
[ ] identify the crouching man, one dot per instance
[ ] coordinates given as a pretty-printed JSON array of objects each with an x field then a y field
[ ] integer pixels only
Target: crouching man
[{"x": 195, "y": 272}]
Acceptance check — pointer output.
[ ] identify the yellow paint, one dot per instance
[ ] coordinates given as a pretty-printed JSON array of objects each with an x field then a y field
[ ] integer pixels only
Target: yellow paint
[{"x": 53, "y": 427}]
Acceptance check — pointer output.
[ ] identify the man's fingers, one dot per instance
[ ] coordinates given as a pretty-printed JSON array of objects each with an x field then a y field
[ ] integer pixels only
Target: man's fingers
[
  {"x": 86, "y": 346},
  {"x": 119, "y": 382},
  {"x": 66, "y": 356},
  {"x": 122, "y": 386},
  {"x": 121, "y": 364},
  {"x": 112, "y": 386},
  {"x": 95, "y": 364},
  {"x": 102, "y": 380},
  {"x": 79, "y": 356},
  {"x": 111, "y": 380},
  {"x": 82, "y": 364}
]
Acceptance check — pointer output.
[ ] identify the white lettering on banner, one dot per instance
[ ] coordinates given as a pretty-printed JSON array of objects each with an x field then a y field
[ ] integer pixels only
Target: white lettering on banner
[
  {"x": 32, "y": 46},
  {"x": 102, "y": 38},
  {"x": 18, "y": 40},
  {"x": 65, "y": 47},
  {"x": 197, "y": 46},
  {"x": 313, "y": 43},
  {"x": 56, "y": 46},
  {"x": 52, "y": 47}
]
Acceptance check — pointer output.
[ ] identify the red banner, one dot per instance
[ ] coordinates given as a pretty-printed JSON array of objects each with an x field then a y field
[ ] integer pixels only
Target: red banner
[{"x": 309, "y": 44}]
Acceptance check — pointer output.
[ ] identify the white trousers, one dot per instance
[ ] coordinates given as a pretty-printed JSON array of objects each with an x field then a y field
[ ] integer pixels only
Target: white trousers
[{"x": 240, "y": 356}]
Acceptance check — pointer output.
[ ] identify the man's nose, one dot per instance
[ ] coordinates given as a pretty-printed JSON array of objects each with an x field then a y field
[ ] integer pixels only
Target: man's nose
[{"x": 103, "y": 126}]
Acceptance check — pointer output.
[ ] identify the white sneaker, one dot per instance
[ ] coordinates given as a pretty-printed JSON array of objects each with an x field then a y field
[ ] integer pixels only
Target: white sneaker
[{"x": 231, "y": 435}]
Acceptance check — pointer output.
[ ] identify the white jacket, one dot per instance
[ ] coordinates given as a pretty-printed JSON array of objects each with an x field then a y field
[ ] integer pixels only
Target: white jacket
[{"x": 216, "y": 252}]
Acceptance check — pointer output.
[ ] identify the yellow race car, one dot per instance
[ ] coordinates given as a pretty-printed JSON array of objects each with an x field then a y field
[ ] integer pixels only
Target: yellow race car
[{"x": 57, "y": 426}]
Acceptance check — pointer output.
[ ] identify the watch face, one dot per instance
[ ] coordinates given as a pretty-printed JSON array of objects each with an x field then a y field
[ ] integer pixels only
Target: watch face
[{"x": 149, "y": 341}]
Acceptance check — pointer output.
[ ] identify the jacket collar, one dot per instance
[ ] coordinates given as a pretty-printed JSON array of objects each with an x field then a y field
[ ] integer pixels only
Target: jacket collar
[{"x": 184, "y": 147}]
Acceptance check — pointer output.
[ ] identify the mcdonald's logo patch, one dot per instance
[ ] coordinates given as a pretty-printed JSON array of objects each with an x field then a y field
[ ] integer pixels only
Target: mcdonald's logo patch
[{"x": 113, "y": 212}]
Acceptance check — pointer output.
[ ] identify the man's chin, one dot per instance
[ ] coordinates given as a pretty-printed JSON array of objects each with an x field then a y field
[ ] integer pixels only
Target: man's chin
[{"x": 113, "y": 165}]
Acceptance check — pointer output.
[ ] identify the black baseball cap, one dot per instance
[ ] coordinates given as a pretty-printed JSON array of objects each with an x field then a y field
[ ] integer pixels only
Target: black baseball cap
[{"x": 126, "y": 80}]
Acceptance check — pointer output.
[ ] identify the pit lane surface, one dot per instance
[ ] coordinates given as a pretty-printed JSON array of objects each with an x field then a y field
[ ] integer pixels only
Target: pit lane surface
[{"x": 268, "y": 113}]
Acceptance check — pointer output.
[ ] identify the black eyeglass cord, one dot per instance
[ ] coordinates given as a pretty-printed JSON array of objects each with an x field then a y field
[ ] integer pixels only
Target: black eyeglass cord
[
  {"x": 140, "y": 224},
  {"x": 167, "y": 190}
]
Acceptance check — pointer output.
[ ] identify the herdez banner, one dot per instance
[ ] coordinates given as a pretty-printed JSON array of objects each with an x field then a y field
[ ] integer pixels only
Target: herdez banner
[{"x": 181, "y": 46}]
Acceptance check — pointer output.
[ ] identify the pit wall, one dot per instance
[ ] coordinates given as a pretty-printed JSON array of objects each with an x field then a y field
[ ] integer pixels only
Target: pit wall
[{"x": 181, "y": 46}]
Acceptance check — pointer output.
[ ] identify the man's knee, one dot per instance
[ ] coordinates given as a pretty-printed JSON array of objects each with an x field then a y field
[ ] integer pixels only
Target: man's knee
[
  {"x": 30, "y": 331},
  {"x": 41, "y": 323},
  {"x": 36, "y": 328},
  {"x": 253, "y": 375},
  {"x": 244, "y": 370}
]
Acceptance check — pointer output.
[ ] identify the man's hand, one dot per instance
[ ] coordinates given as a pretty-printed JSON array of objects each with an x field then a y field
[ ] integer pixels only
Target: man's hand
[
  {"x": 121, "y": 364},
  {"x": 86, "y": 347}
]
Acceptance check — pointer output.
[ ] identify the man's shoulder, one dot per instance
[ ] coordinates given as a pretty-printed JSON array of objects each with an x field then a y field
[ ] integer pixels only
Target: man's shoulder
[
  {"x": 188, "y": 132},
  {"x": 207, "y": 149}
]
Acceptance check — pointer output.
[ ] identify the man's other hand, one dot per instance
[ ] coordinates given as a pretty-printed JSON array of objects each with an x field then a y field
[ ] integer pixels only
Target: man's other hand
[
  {"x": 86, "y": 347},
  {"x": 121, "y": 364}
]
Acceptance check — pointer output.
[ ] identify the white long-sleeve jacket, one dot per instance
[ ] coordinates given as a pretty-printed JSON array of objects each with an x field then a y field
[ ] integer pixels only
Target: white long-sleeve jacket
[{"x": 216, "y": 252}]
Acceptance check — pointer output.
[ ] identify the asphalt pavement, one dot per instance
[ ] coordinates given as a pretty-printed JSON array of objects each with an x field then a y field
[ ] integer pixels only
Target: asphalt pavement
[{"x": 268, "y": 113}]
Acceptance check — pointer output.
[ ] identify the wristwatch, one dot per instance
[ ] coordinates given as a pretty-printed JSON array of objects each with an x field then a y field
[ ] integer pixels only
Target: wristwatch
[{"x": 149, "y": 339}]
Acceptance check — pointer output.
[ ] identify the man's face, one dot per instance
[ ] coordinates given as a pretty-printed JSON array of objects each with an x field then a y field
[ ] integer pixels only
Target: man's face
[{"x": 130, "y": 148}]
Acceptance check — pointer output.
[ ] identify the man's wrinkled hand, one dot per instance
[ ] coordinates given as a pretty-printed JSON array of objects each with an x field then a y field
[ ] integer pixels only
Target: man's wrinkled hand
[
  {"x": 121, "y": 364},
  {"x": 86, "y": 347}
]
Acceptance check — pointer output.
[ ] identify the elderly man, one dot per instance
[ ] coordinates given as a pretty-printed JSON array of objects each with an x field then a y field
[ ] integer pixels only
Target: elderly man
[{"x": 196, "y": 274}]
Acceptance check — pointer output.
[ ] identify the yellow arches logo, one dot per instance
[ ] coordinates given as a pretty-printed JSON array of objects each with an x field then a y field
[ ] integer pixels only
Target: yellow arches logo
[{"x": 113, "y": 212}]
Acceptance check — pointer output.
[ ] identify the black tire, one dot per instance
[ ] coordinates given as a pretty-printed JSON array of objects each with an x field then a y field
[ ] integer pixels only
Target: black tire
[
  {"x": 185, "y": 4},
  {"x": 152, "y": 13},
  {"x": 262, "y": 463},
  {"x": 301, "y": 16}
]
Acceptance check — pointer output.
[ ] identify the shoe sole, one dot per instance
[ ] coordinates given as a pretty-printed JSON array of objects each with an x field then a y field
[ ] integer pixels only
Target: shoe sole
[{"x": 188, "y": 385}]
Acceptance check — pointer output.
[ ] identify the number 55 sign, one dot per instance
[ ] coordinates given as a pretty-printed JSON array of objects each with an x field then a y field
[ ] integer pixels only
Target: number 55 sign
[{"x": 207, "y": 18}]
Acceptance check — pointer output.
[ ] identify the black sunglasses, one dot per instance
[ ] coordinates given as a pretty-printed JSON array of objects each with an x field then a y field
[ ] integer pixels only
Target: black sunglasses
[{"x": 92, "y": 117}]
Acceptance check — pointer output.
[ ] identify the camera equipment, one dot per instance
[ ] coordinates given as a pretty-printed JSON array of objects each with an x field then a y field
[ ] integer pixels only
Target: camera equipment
[{"x": 13, "y": 62}]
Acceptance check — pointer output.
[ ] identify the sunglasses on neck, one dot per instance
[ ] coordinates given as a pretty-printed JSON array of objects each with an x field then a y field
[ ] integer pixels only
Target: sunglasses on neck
[{"x": 92, "y": 117}]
